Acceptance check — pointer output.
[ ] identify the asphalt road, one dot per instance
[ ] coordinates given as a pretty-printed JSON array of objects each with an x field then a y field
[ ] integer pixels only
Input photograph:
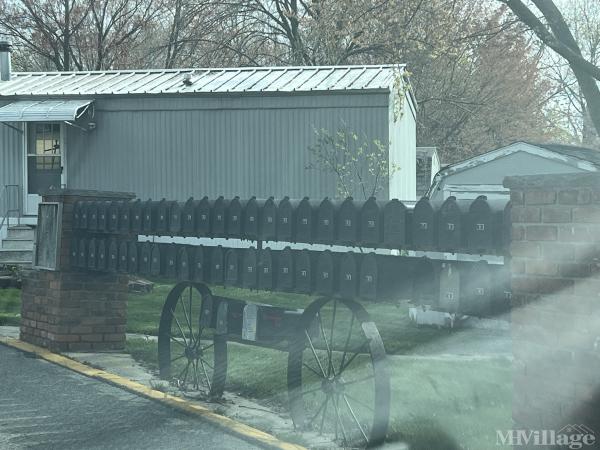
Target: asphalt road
[{"x": 44, "y": 406}]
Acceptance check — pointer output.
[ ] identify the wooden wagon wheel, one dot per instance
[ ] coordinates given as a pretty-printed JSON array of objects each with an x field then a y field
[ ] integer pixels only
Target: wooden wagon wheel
[
  {"x": 189, "y": 353},
  {"x": 338, "y": 382}
]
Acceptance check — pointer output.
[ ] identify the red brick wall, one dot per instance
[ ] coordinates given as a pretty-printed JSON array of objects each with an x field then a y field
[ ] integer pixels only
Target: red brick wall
[
  {"x": 555, "y": 256},
  {"x": 69, "y": 309}
]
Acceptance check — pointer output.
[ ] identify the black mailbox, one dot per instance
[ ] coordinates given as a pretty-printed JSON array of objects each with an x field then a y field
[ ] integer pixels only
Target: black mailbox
[
  {"x": 101, "y": 255},
  {"x": 250, "y": 268},
  {"x": 217, "y": 217},
  {"x": 268, "y": 220},
  {"x": 82, "y": 254},
  {"x": 232, "y": 267},
  {"x": 175, "y": 218},
  {"x": 136, "y": 216},
  {"x": 349, "y": 276},
  {"x": 504, "y": 228},
  {"x": 112, "y": 261},
  {"x": 265, "y": 269},
  {"x": 200, "y": 264},
  {"x": 285, "y": 270},
  {"x": 304, "y": 221},
  {"x": 188, "y": 217},
  {"x": 203, "y": 217},
  {"x": 83, "y": 216},
  {"x": 285, "y": 218},
  {"x": 92, "y": 255},
  {"x": 303, "y": 271},
  {"x": 156, "y": 260},
  {"x": 124, "y": 217},
  {"x": 425, "y": 282},
  {"x": 217, "y": 263},
  {"x": 449, "y": 287},
  {"x": 423, "y": 225},
  {"x": 326, "y": 222},
  {"x": 385, "y": 277},
  {"x": 371, "y": 223},
  {"x": 183, "y": 264},
  {"x": 133, "y": 256},
  {"x": 145, "y": 261},
  {"x": 250, "y": 224},
  {"x": 369, "y": 277},
  {"x": 394, "y": 224},
  {"x": 233, "y": 218},
  {"x": 325, "y": 273},
  {"x": 148, "y": 208},
  {"x": 480, "y": 234},
  {"x": 123, "y": 257},
  {"x": 77, "y": 215},
  {"x": 170, "y": 259},
  {"x": 502, "y": 293},
  {"x": 92, "y": 216},
  {"x": 112, "y": 220},
  {"x": 161, "y": 216},
  {"x": 102, "y": 208},
  {"x": 476, "y": 292},
  {"x": 450, "y": 226},
  {"x": 347, "y": 222}
]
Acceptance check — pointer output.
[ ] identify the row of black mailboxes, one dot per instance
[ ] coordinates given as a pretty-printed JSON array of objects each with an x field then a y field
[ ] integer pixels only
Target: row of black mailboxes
[
  {"x": 369, "y": 276},
  {"x": 480, "y": 226}
]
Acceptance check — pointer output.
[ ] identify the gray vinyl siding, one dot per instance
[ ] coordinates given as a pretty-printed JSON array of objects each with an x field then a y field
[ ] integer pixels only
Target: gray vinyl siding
[
  {"x": 11, "y": 156},
  {"x": 229, "y": 145}
]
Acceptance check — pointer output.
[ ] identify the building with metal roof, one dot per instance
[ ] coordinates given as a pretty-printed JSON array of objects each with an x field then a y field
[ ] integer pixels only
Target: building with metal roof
[
  {"x": 484, "y": 174},
  {"x": 196, "y": 132}
]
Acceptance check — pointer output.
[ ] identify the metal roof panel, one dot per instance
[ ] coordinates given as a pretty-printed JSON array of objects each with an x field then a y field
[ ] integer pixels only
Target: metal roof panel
[{"x": 47, "y": 110}]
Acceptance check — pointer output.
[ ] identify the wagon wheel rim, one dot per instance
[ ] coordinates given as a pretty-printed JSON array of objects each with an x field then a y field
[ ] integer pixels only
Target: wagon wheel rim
[
  {"x": 338, "y": 380},
  {"x": 190, "y": 356}
]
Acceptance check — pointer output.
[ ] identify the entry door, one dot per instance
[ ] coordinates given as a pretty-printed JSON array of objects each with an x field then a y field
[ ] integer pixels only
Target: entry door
[{"x": 44, "y": 161}]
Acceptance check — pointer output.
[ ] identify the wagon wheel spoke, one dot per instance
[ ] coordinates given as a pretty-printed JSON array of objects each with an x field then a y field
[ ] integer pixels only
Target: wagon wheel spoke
[
  {"x": 184, "y": 373},
  {"x": 323, "y": 419},
  {"x": 208, "y": 346},
  {"x": 180, "y": 329},
  {"x": 205, "y": 374},
  {"x": 207, "y": 363},
  {"x": 313, "y": 370},
  {"x": 355, "y": 400},
  {"x": 353, "y": 414},
  {"x": 360, "y": 380},
  {"x": 321, "y": 408},
  {"x": 339, "y": 418},
  {"x": 178, "y": 358},
  {"x": 195, "y": 366},
  {"x": 177, "y": 341},
  {"x": 347, "y": 342},
  {"x": 312, "y": 347},
  {"x": 326, "y": 346},
  {"x": 356, "y": 352}
]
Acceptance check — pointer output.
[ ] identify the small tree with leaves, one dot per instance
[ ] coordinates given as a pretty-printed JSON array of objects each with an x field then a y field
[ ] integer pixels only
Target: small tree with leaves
[{"x": 356, "y": 161}]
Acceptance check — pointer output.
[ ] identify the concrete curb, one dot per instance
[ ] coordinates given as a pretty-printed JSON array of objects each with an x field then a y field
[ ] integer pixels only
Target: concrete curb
[{"x": 239, "y": 429}]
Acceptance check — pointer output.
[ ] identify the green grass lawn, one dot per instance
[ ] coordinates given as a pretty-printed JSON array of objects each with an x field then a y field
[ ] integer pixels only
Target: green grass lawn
[{"x": 10, "y": 307}]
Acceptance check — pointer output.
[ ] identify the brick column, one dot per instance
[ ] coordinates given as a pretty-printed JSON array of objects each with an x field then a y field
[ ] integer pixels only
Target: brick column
[
  {"x": 70, "y": 309},
  {"x": 555, "y": 253}
]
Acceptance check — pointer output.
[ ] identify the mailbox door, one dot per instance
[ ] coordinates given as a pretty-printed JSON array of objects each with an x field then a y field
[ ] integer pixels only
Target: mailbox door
[
  {"x": 304, "y": 222},
  {"x": 183, "y": 264},
  {"x": 449, "y": 223},
  {"x": 423, "y": 221},
  {"x": 77, "y": 215},
  {"x": 136, "y": 216},
  {"x": 124, "y": 217},
  {"x": 325, "y": 274},
  {"x": 233, "y": 219},
  {"x": 268, "y": 220},
  {"x": 217, "y": 217},
  {"x": 217, "y": 263},
  {"x": 92, "y": 215},
  {"x": 147, "y": 216},
  {"x": 175, "y": 219},
  {"x": 161, "y": 215},
  {"x": 123, "y": 257},
  {"x": 170, "y": 259},
  {"x": 265, "y": 269},
  {"x": 394, "y": 224},
  {"x": 103, "y": 216},
  {"x": 303, "y": 272},
  {"x": 371, "y": 223},
  {"x": 480, "y": 235},
  {"x": 425, "y": 283},
  {"x": 251, "y": 219},
  {"x": 92, "y": 255},
  {"x": 232, "y": 267},
  {"x": 156, "y": 260},
  {"x": 145, "y": 258},
  {"x": 285, "y": 270},
  {"x": 369, "y": 277},
  {"x": 250, "y": 269},
  {"x": 203, "y": 217},
  {"x": 113, "y": 217},
  {"x": 348, "y": 276},
  {"x": 502, "y": 291},
  {"x": 188, "y": 217},
  {"x": 113, "y": 256},
  {"x": 326, "y": 222},
  {"x": 133, "y": 255},
  {"x": 347, "y": 222},
  {"x": 74, "y": 255},
  {"x": 102, "y": 255},
  {"x": 83, "y": 217},
  {"x": 477, "y": 284},
  {"x": 285, "y": 216},
  {"x": 82, "y": 254},
  {"x": 449, "y": 288},
  {"x": 199, "y": 264}
]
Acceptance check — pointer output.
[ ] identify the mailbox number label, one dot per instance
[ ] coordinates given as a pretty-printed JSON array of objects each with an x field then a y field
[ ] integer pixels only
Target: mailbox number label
[
  {"x": 304, "y": 273},
  {"x": 480, "y": 291},
  {"x": 348, "y": 222},
  {"x": 348, "y": 277},
  {"x": 371, "y": 224},
  {"x": 250, "y": 269},
  {"x": 269, "y": 219},
  {"x": 369, "y": 278},
  {"x": 285, "y": 270},
  {"x": 451, "y": 226},
  {"x": 423, "y": 225},
  {"x": 326, "y": 222},
  {"x": 480, "y": 227},
  {"x": 325, "y": 275},
  {"x": 304, "y": 221},
  {"x": 284, "y": 220}
]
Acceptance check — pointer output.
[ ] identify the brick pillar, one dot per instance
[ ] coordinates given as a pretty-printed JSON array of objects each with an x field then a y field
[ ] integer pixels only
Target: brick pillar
[
  {"x": 70, "y": 309},
  {"x": 555, "y": 253}
]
